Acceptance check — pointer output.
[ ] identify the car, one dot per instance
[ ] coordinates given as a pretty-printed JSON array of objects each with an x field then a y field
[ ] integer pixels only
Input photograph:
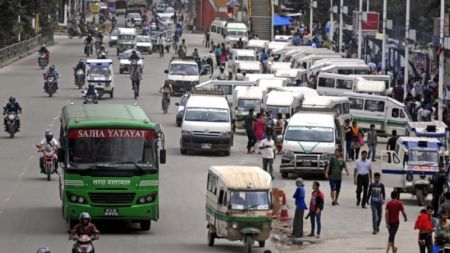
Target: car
[
  {"x": 168, "y": 12},
  {"x": 181, "y": 105},
  {"x": 144, "y": 44},
  {"x": 125, "y": 62},
  {"x": 137, "y": 19},
  {"x": 165, "y": 21},
  {"x": 113, "y": 38}
]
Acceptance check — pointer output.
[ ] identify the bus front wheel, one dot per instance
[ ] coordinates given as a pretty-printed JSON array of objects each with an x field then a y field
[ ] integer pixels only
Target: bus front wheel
[{"x": 145, "y": 225}]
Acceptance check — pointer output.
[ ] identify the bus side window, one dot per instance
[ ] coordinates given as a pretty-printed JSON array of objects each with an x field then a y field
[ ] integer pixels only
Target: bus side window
[
  {"x": 326, "y": 82},
  {"x": 220, "y": 199},
  {"x": 395, "y": 112},
  {"x": 213, "y": 29}
]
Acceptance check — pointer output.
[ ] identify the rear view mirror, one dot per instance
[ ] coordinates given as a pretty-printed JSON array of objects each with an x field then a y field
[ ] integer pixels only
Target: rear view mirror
[
  {"x": 166, "y": 71},
  {"x": 162, "y": 156}
]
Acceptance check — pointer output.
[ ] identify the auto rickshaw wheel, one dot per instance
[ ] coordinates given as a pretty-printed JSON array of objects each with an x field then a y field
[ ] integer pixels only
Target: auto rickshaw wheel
[
  {"x": 420, "y": 197},
  {"x": 211, "y": 238},
  {"x": 248, "y": 244},
  {"x": 262, "y": 244}
]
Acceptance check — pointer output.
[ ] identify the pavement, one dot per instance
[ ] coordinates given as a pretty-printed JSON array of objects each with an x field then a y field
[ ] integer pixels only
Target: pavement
[{"x": 30, "y": 209}]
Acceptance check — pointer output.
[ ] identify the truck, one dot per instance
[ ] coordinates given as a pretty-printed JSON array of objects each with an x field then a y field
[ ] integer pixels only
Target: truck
[{"x": 110, "y": 156}]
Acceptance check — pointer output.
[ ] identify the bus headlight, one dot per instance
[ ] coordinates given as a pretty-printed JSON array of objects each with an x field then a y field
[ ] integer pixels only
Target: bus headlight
[
  {"x": 147, "y": 198},
  {"x": 76, "y": 199}
]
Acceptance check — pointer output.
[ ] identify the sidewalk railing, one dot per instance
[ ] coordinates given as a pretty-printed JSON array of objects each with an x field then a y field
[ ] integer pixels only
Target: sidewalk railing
[{"x": 19, "y": 49}]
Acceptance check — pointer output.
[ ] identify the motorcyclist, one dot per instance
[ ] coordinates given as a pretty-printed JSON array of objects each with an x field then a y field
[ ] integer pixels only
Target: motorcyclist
[
  {"x": 52, "y": 72},
  {"x": 53, "y": 143},
  {"x": 85, "y": 227},
  {"x": 80, "y": 65},
  {"x": 100, "y": 37},
  {"x": 166, "y": 90},
  {"x": 44, "y": 50},
  {"x": 12, "y": 106},
  {"x": 91, "y": 91},
  {"x": 43, "y": 250},
  {"x": 134, "y": 56},
  {"x": 102, "y": 52},
  {"x": 88, "y": 39},
  {"x": 135, "y": 75},
  {"x": 221, "y": 75}
]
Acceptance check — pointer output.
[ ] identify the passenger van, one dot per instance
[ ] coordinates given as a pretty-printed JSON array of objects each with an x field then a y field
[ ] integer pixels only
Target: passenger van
[
  {"x": 100, "y": 73},
  {"x": 336, "y": 84},
  {"x": 256, "y": 77},
  {"x": 318, "y": 65},
  {"x": 228, "y": 32},
  {"x": 274, "y": 66},
  {"x": 225, "y": 86},
  {"x": 385, "y": 113},
  {"x": 283, "y": 102},
  {"x": 244, "y": 99},
  {"x": 296, "y": 77},
  {"x": 306, "y": 91},
  {"x": 309, "y": 60},
  {"x": 270, "y": 83},
  {"x": 310, "y": 139},
  {"x": 248, "y": 67},
  {"x": 125, "y": 39},
  {"x": 385, "y": 78},
  {"x": 238, "y": 56},
  {"x": 340, "y": 106},
  {"x": 207, "y": 125},
  {"x": 257, "y": 45},
  {"x": 347, "y": 69}
]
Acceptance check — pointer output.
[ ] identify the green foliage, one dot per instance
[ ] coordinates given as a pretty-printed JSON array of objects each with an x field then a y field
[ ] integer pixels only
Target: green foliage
[{"x": 27, "y": 9}]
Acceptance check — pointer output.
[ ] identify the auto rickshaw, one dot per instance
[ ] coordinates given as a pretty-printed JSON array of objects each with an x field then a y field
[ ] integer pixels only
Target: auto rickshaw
[{"x": 239, "y": 205}]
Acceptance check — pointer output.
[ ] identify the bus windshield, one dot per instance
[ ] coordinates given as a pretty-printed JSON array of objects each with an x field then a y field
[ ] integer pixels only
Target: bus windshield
[
  {"x": 309, "y": 134},
  {"x": 249, "y": 200},
  {"x": 88, "y": 146}
]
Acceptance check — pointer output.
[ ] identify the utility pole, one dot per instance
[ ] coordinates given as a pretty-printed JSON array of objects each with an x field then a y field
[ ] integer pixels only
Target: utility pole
[
  {"x": 441, "y": 62},
  {"x": 383, "y": 48},
  {"x": 368, "y": 4},
  {"x": 331, "y": 22},
  {"x": 341, "y": 24},
  {"x": 406, "y": 74},
  {"x": 360, "y": 29},
  {"x": 311, "y": 9}
]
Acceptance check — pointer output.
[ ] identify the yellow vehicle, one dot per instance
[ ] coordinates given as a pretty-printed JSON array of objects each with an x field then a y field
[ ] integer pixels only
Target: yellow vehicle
[{"x": 239, "y": 205}]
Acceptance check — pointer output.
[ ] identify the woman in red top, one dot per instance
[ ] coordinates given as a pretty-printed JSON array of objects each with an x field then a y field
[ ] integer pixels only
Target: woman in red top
[
  {"x": 260, "y": 128},
  {"x": 425, "y": 227},
  {"x": 392, "y": 216}
]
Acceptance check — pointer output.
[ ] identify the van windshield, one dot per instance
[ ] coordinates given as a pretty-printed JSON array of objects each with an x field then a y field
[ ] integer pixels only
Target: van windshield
[
  {"x": 239, "y": 34},
  {"x": 279, "y": 109},
  {"x": 99, "y": 72},
  {"x": 247, "y": 104},
  {"x": 249, "y": 200},
  {"x": 183, "y": 69},
  {"x": 309, "y": 134},
  {"x": 207, "y": 115},
  {"x": 422, "y": 157}
]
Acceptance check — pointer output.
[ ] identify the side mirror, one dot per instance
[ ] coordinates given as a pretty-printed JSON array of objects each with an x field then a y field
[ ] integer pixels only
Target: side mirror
[
  {"x": 162, "y": 156},
  {"x": 177, "y": 104},
  {"x": 61, "y": 155},
  {"x": 166, "y": 71}
]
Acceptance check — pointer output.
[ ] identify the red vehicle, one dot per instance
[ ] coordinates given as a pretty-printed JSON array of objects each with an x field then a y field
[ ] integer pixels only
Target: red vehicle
[{"x": 49, "y": 160}]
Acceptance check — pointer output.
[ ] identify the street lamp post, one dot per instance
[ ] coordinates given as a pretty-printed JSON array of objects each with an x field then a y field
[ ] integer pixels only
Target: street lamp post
[
  {"x": 441, "y": 62},
  {"x": 311, "y": 9},
  {"x": 331, "y": 21},
  {"x": 383, "y": 48},
  {"x": 360, "y": 29},
  {"x": 341, "y": 25},
  {"x": 406, "y": 74}
]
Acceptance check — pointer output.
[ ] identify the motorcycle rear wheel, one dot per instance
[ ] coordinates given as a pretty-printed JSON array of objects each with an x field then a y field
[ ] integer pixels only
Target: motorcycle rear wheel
[{"x": 49, "y": 173}]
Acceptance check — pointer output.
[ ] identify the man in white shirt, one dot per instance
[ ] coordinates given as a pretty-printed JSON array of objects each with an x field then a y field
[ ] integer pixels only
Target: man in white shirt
[
  {"x": 50, "y": 141},
  {"x": 267, "y": 147},
  {"x": 362, "y": 177}
]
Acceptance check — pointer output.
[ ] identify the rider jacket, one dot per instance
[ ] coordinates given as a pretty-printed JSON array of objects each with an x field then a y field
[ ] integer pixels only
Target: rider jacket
[
  {"x": 53, "y": 73},
  {"x": 53, "y": 143},
  {"x": 43, "y": 50},
  {"x": 91, "y": 92},
  {"x": 88, "y": 40},
  {"x": 80, "y": 65},
  {"x": 15, "y": 107},
  {"x": 90, "y": 230},
  {"x": 134, "y": 57}
]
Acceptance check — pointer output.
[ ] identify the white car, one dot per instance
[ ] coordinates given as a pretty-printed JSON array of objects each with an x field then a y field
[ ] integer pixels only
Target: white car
[
  {"x": 124, "y": 59},
  {"x": 144, "y": 44},
  {"x": 137, "y": 19}
]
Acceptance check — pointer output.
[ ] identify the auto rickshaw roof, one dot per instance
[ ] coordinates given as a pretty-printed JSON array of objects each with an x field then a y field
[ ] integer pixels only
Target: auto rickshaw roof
[{"x": 243, "y": 177}]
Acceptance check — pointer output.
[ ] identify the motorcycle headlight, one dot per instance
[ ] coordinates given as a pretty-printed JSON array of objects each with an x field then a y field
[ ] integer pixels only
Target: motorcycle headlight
[
  {"x": 11, "y": 117},
  {"x": 186, "y": 132},
  {"x": 234, "y": 225}
]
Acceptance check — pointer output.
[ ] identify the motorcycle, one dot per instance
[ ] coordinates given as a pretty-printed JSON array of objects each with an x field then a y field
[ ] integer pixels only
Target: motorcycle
[
  {"x": 42, "y": 60},
  {"x": 90, "y": 99},
  {"x": 12, "y": 126},
  {"x": 97, "y": 45},
  {"x": 88, "y": 49},
  {"x": 79, "y": 78},
  {"x": 49, "y": 160},
  {"x": 102, "y": 55},
  {"x": 50, "y": 85},
  {"x": 83, "y": 244},
  {"x": 71, "y": 32}
]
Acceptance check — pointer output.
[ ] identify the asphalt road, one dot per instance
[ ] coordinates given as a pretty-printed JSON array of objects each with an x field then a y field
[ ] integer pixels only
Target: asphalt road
[{"x": 30, "y": 209}]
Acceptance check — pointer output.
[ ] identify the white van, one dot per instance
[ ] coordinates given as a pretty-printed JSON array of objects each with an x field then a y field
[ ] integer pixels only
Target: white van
[
  {"x": 237, "y": 56},
  {"x": 385, "y": 113},
  {"x": 318, "y": 65},
  {"x": 309, "y": 142},
  {"x": 206, "y": 123},
  {"x": 249, "y": 67},
  {"x": 309, "y": 60},
  {"x": 296, "y": 77},
  {"x": 244, "y": 99},
  {"x": 183, "y": 75},
  {"x": 306, "y": 91},
  {"x": 270, "y": 83},
  {"x": 100, "y": 73},
  {"x": 284, "y": 102},
  {"x": 225, "y": 86},
  {"x": 228, "y": 32},
  {"x": 257, "y": 45},
  {"x": 274, "y": 46},
  {"x": 346, "y": 69},
  {"x": 337, "y": 84},
  {"x": 256, "y": 77},
  {"x": 273, "y": 66}
]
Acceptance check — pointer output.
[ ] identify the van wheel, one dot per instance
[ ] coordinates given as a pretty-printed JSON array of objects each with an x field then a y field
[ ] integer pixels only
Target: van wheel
[
  {"x": 211, "y": 238},
  {"x": 420, "y": 197},
  {"x": 262, "y": 244},
  {"x": 284, "y": 174},
  {"x": 145, "y": 225},
  {"x": 227, "y": 153},
  {"x": 183, "y": 151}
]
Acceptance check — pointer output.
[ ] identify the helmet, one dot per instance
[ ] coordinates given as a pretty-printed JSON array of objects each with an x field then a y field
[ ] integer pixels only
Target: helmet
[
  {"x": 81, "y": 60},
  {"x": 91, "y": 85},
  {"x": 51, "y": 68},
  {"x": 133, "y": 52},
  {"x": 48, "y": 135},
  {"x": 43, "y": 250},
  {"x": 12, "y": 100},
  {"x": 85, "y": 216}
]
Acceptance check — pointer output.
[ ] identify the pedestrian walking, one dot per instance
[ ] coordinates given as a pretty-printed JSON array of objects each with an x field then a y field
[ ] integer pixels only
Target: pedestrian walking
[
  {"x": 300, "y": 207},
  {"x": 376, "y": 196},
  {"x": 362, "y": 177},
  {"x": 392, "y": 141},
  {"x": 392, "y": 217},
  {"x": 333, "y": 172},
  {"x": 439, "y": 180},
  {"x": 442, "y": 232},
  {"x": 425, "y": 227},
  {"x": 259, "y": 129},
  {"x": 207, "y": 38},
  {"x": 357, "y": 140},
  {"x": 372, "y": 141},
  {"x": 446, "y": 205},
  {"x": 348, "y": 139},
  {"x": 267, "y": 147},
  {"x": 248, "y": 125},
  {"x": 279, "y": 131},
  {"x": 315, "y": 209}
]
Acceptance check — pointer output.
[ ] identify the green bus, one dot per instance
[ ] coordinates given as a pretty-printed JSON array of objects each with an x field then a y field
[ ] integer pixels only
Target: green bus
[{"x": 110, "y": 159}]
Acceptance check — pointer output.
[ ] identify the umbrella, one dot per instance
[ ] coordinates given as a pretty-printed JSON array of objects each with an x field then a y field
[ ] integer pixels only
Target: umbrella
[
  {"x": 233, "y": 3},
  {"x": 280, "y": 20}
]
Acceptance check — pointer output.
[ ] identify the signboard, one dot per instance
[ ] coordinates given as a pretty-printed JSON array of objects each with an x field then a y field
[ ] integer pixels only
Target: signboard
[
  {"x": 94, "y": 8},
  {"x": 436, "y": 26},
  {"x": 369, "y": 25},
  {"x": 110, "y": 133}
]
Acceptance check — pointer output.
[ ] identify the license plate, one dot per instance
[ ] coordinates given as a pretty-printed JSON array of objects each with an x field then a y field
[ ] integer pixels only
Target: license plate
[
  {"x": 111, "y": 212},
  {"x": 206, "y": 146},
  {"x": 306, "y": 164}
]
